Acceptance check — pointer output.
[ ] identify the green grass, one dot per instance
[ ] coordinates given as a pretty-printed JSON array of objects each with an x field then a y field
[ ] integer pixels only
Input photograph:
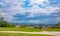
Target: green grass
[
  {"x": 27, "y": 29},
  {"x": 17, "y": 34},
  {"x": 20, "y": 29},
  {"x": 52, "y": 29}
]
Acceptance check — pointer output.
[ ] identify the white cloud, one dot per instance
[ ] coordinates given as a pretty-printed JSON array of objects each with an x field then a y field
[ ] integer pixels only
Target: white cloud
[
  {"x": 7, "y": 16},
  {"x": 36, "y": 1},
  {"x": 35, "y": 10}
]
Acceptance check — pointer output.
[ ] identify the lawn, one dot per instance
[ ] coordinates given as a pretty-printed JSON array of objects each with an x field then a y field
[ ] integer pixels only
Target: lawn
[
  {"x": 17, "y": 34},
  {"x": 20, "y": 29}
]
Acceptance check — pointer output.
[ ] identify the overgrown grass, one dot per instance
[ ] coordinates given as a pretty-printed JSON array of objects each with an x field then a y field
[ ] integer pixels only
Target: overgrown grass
[
  {"x": 20, "y": 29},
  {"x": 17, "y": 34}
]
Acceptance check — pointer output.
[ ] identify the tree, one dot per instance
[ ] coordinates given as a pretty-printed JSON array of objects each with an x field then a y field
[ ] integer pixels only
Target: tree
[{"x": 3, "y": 23}]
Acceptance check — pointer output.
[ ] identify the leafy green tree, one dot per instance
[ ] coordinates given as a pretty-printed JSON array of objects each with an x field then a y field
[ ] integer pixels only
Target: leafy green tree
[{"x": 4, "y": 23}]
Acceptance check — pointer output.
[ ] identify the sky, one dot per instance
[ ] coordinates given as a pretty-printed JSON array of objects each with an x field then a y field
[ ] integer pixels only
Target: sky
[{"x": 30, "y": 11}]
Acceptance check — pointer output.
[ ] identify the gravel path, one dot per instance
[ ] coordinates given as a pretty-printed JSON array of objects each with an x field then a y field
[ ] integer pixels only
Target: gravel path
[{"x": 44, "y": 32}]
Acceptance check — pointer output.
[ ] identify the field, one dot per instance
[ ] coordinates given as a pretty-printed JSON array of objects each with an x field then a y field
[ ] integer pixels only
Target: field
[
  {"x": 21, "y": 29},
  {"x": 17, "y": 34},
  {"x": 53, "y": 29},
  {"x": 28, "y": 29},
  {"x": 25, "y": 30}
]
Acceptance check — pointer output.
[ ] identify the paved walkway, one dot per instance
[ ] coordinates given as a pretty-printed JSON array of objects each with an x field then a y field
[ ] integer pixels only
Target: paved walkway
[{"x": 44, "y": 32}]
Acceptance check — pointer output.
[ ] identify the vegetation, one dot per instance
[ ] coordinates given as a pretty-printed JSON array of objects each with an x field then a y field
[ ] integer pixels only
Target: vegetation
[
  {"x": 20, "y": 29},
  {"x": 4, "y": 23},
  {"x": 57, "y": 25},
  {"x": 17, "y": 34},
  {"x": 52, "y": 29}
]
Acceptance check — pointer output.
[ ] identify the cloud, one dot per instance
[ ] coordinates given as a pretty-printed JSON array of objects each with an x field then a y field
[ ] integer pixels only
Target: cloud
[
  {"x": 29, "y": 9},
  {"x": 16, "y": 6},
  {"x": 57, "y": 19},
  {"x": 54, "y": 3},
  {"x": 28, "y": 21},
  {"x": 36, "y": 1}
]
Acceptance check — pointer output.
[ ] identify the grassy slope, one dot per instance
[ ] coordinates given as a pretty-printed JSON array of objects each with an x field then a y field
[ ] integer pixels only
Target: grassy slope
[{"x": 12, "y": 34}]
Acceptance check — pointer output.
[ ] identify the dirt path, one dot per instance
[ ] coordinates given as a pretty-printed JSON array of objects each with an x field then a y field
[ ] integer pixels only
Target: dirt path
[{"x": 44, "y": 32}]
